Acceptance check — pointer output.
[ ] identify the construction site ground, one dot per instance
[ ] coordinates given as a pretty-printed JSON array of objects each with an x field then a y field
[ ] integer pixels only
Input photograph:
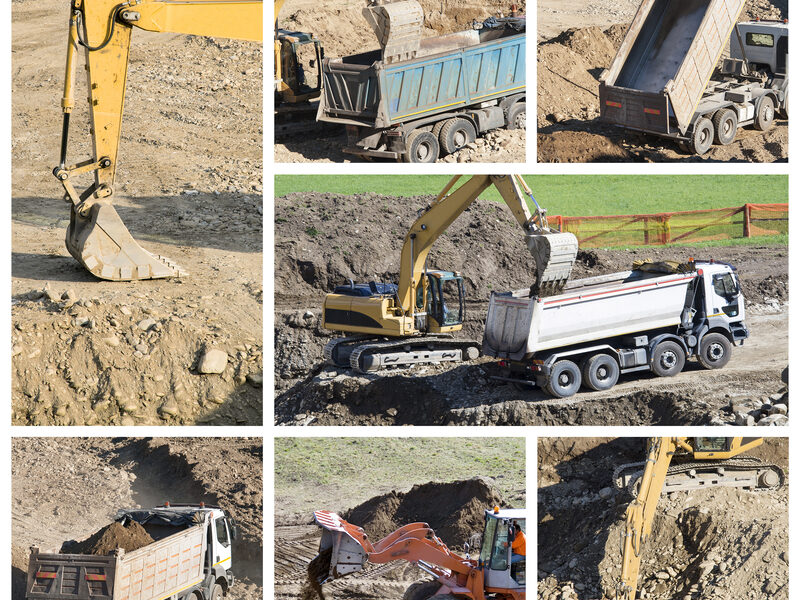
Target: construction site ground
[
  {"x": 342, "y": 30},
  {"x": 322, "y": 240},
  {"x": 189, "y": 187},
  {"x": 97, "y": 476},
  {"x": 381, "y": 484},
  {"x": 576, "y": 41},
  {"x": 729, "y": 543}
]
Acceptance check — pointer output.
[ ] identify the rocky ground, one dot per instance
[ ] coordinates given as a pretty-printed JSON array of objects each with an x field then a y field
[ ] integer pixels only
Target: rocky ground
[
  {"x": 97, "y": 476},
  {"x": 300, "y": 141},
  {"x": 452, "y": 507},
  {"x": 576, "y": 41},
  {"x": 729, "y": 543},
  {"x": 483, "y": 244},
  {"x": 189, "y": 186}
]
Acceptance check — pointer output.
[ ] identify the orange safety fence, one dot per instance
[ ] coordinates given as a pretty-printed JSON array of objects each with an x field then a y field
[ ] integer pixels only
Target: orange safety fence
[{"x": 681, "y": 227}]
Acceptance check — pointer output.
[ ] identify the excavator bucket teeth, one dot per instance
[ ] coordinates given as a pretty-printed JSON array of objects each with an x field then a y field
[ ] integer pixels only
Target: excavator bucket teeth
[
  {"x": 554, "y": 254},
  {"x": 342, "y": 549},
  {"x": 398, "y": 26},
  {"x": 102, "y": 244}
]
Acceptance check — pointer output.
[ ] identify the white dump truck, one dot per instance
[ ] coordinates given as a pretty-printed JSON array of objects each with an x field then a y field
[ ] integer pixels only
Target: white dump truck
[
  {"x": 605, "y": 326},
  {"x": 190, "y": 559}
]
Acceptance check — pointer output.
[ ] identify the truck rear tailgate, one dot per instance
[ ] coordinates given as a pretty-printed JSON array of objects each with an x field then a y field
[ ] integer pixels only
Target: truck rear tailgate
[{"x": 68, "y": 576}]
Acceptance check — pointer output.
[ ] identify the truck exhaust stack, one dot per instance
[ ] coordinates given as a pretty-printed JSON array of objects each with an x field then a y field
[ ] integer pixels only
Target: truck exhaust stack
[{"x": 101, "y": 243}]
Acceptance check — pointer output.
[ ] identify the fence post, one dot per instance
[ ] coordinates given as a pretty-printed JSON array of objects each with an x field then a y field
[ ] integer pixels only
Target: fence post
[
  {"x": 746, "y": 221},
  {"x": 645, "y": 224},
  {"x": 665, "y": 229}
]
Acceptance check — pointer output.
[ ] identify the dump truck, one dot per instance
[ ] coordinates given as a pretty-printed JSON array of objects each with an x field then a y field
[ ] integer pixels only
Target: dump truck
[
  {"x": 189, "y": 559},
  {"x": 667, "y": 79},
  {"x": 418, "y": 99},
  {"x": 653, "y": 317},
  {"x": 496, "y": 574}
]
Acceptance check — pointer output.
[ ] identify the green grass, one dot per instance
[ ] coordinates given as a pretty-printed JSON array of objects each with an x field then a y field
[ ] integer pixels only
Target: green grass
[
  {"x": 339, "y": 473},
  {"x": 575, "y": 195}
]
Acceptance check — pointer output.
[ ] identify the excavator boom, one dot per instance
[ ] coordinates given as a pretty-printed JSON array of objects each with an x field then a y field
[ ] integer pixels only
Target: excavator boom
[{"x": 102, "y": 29}]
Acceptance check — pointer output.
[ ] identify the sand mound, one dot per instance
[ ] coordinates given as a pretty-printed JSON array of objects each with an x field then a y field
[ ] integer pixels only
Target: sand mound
[
  {"x": 116, "y": 535},
  {"x": 453, "y": 510}
]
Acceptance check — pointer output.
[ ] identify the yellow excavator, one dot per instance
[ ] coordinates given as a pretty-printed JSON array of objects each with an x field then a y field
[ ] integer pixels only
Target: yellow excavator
[
  {"x": 682, "y": 463},
  {"x": 96, "y": 235},
  {"x": 294, "y": 51},
  {"x": 412, "y": 322}
]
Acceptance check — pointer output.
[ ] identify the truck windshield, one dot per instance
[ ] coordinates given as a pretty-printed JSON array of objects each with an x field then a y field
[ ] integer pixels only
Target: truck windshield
[{"x": 725, "y": 286}]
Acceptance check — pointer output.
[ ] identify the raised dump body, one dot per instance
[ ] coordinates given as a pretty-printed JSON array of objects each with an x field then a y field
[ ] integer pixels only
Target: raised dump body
[
  {"x": 601, "y": 327},
  {"x": 176, "y": 564},
  {"x": 664, "y": 64},
  {"x": 476, "y": 75}
]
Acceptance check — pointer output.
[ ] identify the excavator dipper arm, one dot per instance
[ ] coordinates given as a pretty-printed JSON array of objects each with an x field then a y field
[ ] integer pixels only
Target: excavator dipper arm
[{"x": 96, "y": 236}]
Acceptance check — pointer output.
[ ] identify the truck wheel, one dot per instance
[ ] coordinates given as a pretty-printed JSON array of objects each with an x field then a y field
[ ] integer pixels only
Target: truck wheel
[
  {"x": 600, "y": 372},
  {"x": 216, "y": 592},
  {"x": 785, "y": 107},
  {"x": 714, "y": 351},
  {"x": 702, "y": 136},
  {"x": 765, "y": 113},
  {"x": 516, "y": 116},
  {"x": 422, "y": 590},
  {"x": 455, "y": 134},
  {"x": 668, "y": 359},
  {"x": 564, "y": 380},
  {"x": 421, "y": 147},
  {"x": 725, "y": 124}
]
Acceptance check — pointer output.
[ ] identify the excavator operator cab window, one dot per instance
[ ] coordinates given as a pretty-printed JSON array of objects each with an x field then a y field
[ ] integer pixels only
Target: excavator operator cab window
[
  {"x": 711, "y": 444},
  {"x": 447, "y": 300},
  {"x": 494, "y": 551}
]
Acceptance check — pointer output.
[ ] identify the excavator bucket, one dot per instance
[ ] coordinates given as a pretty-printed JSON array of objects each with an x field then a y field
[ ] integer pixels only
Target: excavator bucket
[
  {"x": 342, "y": 550},
  {"x": 398, "y": 25},
  {"x": 554, "y": 254},
  {"x": 102, "y": 244}
]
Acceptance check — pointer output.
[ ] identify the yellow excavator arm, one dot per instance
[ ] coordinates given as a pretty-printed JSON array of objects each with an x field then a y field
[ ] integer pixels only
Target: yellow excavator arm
[
  {"x": 96, "y": 236},
  {"x": 641, "y": 511},
  {"x": 554, "y": 252}
]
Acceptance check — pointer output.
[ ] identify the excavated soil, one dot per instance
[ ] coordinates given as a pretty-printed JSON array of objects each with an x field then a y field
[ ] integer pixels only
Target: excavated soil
[
  {"x": 322, "y": 240},
  {"x": 454, "y": 510},
  {"x": 129, "y": 537},
  {"x": 328, "y": 19},
  {"x": 189, "y": 186},
  {"x": 714, "y": 543},
  {"x": 576, "y": 42},
  {"x": 98, "y": 476}
]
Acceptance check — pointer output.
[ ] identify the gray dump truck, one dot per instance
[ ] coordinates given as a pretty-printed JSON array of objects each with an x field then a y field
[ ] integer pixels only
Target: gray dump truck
[
  {"x": 190, "y": 559},
  {"x": 667, "y": 78},
  {"x": 418, "y": 99}
]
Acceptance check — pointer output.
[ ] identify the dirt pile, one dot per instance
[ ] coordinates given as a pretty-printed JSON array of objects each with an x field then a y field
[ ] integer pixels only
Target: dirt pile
[
  {"x": 715, "y": 543},
  {"x": 129, "y": 537},
  {"x": 454, "y": 510},
  {"x": 569, "y": 65}
]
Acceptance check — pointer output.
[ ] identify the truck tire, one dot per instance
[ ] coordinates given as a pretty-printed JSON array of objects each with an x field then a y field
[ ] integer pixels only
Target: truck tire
[
  {"x": 421, "y": 147},
  {"x": 216, "y": 592},
  {"x": 564, "y": 379},
  {"x": 714, "y": 351},
  {"x": 725, "y": 124},
  {"x": 702, "y": 136},
  {"x": 455, "y": 134},
  {"x": 765, "y": 113},
  {"x": 785, "y": 107},
  {"x": 516, "y": 116},
  {"x": 600, "y": 372},
  {"x": 422, "y": 590},
  {"x": 668, "y": 359}
]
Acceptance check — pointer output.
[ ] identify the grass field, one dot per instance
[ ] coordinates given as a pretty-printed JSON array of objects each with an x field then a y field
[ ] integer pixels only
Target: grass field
[
  {"x": 575, "y": 195},
  {"x": 311, "y": 471}
]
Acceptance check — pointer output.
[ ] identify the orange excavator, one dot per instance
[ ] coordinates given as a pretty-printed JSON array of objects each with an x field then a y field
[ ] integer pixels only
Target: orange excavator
[{"x": 344, "y": 550}]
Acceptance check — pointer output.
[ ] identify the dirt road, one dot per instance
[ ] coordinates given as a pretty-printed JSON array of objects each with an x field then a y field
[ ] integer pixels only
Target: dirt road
[
  {"x": 715, "y": 543},
  {"x": 189, "y": 187},
  {"x": 97, "y": 476},
  {"x": 380, "y": 485},
  {"x": 342, "y": 30},
  {"x": 484, "y": 245},
  {"x": 576, "y": 41}
]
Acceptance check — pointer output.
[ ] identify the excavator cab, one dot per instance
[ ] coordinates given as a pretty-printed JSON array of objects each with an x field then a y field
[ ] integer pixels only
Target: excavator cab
[
  {"x": 496, "y": 556},
  {"x": 445, "y": 304}
]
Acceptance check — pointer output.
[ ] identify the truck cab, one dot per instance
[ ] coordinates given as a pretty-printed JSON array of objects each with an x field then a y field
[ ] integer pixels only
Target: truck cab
[
  {"x": 495, "y": 556},
  {"x": 766, "y": 45}
]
